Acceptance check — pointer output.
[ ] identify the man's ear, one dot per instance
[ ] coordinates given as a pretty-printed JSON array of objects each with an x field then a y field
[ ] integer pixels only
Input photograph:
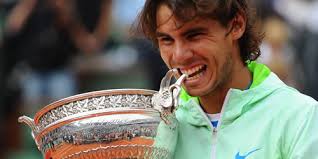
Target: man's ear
[{"x": 238, "y": 25}]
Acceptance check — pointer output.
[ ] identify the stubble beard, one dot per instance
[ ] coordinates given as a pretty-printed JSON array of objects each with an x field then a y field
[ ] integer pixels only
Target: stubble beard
[{"x": 225, "y": 77}]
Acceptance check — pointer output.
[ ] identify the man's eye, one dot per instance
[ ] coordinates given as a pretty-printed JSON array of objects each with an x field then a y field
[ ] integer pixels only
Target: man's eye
[
  {"x": 194, "y": 35},
  {"x": 165, "y": 40}
]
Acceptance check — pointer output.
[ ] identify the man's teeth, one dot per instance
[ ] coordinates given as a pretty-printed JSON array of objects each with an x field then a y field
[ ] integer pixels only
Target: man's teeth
[
  {"x": 195, "y": 76},
  {"x": 192, "y": 71}
]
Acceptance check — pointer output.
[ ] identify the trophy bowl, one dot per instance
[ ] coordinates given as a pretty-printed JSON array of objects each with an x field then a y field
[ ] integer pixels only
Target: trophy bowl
[{"x": 108, "y": 124}]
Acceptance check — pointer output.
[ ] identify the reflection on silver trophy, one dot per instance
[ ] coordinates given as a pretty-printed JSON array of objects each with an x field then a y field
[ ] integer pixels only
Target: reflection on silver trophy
[{"x": 109, "y": 124}]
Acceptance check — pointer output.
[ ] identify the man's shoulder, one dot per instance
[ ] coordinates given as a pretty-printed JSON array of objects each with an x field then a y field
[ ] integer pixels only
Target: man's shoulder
[
  {"x": 278, "y": 93},
  {"x": 292, "y": 97},
  {"x": 290, "y": 104}
]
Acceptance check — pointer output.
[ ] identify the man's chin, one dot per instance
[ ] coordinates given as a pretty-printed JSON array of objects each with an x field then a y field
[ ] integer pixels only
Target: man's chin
[
  {"x": 201, "y": 91},
  {"x": 195, "y": 92}
]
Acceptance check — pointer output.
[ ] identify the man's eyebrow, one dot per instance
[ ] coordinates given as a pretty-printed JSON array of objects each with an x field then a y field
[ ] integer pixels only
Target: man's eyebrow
[
  {"x": 160, "y": 34},
  {"x": 194, "y": 30},
  {"x": 186, "y": 32}
]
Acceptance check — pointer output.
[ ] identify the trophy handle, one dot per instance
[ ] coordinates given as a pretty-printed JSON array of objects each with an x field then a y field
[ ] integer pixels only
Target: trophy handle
[
  {"x": 165, "y": 82},
  {"x": 30, "y": 122},
  {"x": 175, "y": 90},
  {"x": 166, "y": 100}
]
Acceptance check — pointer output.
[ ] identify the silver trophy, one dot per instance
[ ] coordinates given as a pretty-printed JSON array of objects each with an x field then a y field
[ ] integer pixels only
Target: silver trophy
[{"x": 109, "y": 124}]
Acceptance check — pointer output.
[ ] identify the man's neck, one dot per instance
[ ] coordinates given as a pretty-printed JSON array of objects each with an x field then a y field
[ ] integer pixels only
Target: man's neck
[{"x": 212, "y": 103}]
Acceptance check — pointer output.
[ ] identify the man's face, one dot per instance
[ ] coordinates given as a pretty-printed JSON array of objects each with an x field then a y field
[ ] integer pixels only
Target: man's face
[{"x": 199, "y": 48}]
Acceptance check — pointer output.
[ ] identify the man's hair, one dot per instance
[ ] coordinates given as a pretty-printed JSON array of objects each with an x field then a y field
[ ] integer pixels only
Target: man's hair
[{"x": 221, "y": 10}]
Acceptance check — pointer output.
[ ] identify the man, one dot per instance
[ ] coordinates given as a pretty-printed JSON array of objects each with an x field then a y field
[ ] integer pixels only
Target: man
[{"x": 232, "y": 107}]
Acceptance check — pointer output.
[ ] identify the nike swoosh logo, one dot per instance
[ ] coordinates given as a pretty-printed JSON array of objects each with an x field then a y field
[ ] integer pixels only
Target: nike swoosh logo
[{"x": 238, "y": 156}]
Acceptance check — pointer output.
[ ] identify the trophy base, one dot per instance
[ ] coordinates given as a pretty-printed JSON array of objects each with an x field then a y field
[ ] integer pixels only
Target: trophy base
[
  {"x": 123, "y": 152},
  {"x": 135, "y": 149}
]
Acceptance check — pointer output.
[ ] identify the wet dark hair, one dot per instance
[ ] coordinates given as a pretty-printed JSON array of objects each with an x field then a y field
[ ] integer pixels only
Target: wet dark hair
[{"x": 221, "y": 10}]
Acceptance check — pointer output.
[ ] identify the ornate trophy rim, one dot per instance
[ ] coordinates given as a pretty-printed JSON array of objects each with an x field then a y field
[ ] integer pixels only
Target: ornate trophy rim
[{"x": 92, "y": 94}]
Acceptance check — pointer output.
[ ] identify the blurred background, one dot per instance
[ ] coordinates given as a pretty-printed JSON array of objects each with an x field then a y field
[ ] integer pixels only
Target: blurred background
[{"x": 51, "y": 49}]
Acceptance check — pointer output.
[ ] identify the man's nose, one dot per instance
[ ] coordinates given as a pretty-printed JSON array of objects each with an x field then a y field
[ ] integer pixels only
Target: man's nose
[{"x": 183, "y": 52}]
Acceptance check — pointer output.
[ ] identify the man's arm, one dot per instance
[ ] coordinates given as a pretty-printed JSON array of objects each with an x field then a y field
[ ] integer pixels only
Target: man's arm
[
  {"x": 302, "y": 142},
  {"x": 19, "y": 15}
]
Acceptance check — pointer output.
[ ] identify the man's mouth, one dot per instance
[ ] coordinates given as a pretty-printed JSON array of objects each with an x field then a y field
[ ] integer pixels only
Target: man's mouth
[{"x": 193, "y": 72}]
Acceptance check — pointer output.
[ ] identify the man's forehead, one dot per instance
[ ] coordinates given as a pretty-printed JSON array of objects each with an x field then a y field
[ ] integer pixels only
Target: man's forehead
[{"x": 165, "y": 17}]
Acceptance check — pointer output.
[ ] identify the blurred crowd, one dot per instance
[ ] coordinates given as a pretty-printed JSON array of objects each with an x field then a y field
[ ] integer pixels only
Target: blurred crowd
[{"x": 51, "y": 49}]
